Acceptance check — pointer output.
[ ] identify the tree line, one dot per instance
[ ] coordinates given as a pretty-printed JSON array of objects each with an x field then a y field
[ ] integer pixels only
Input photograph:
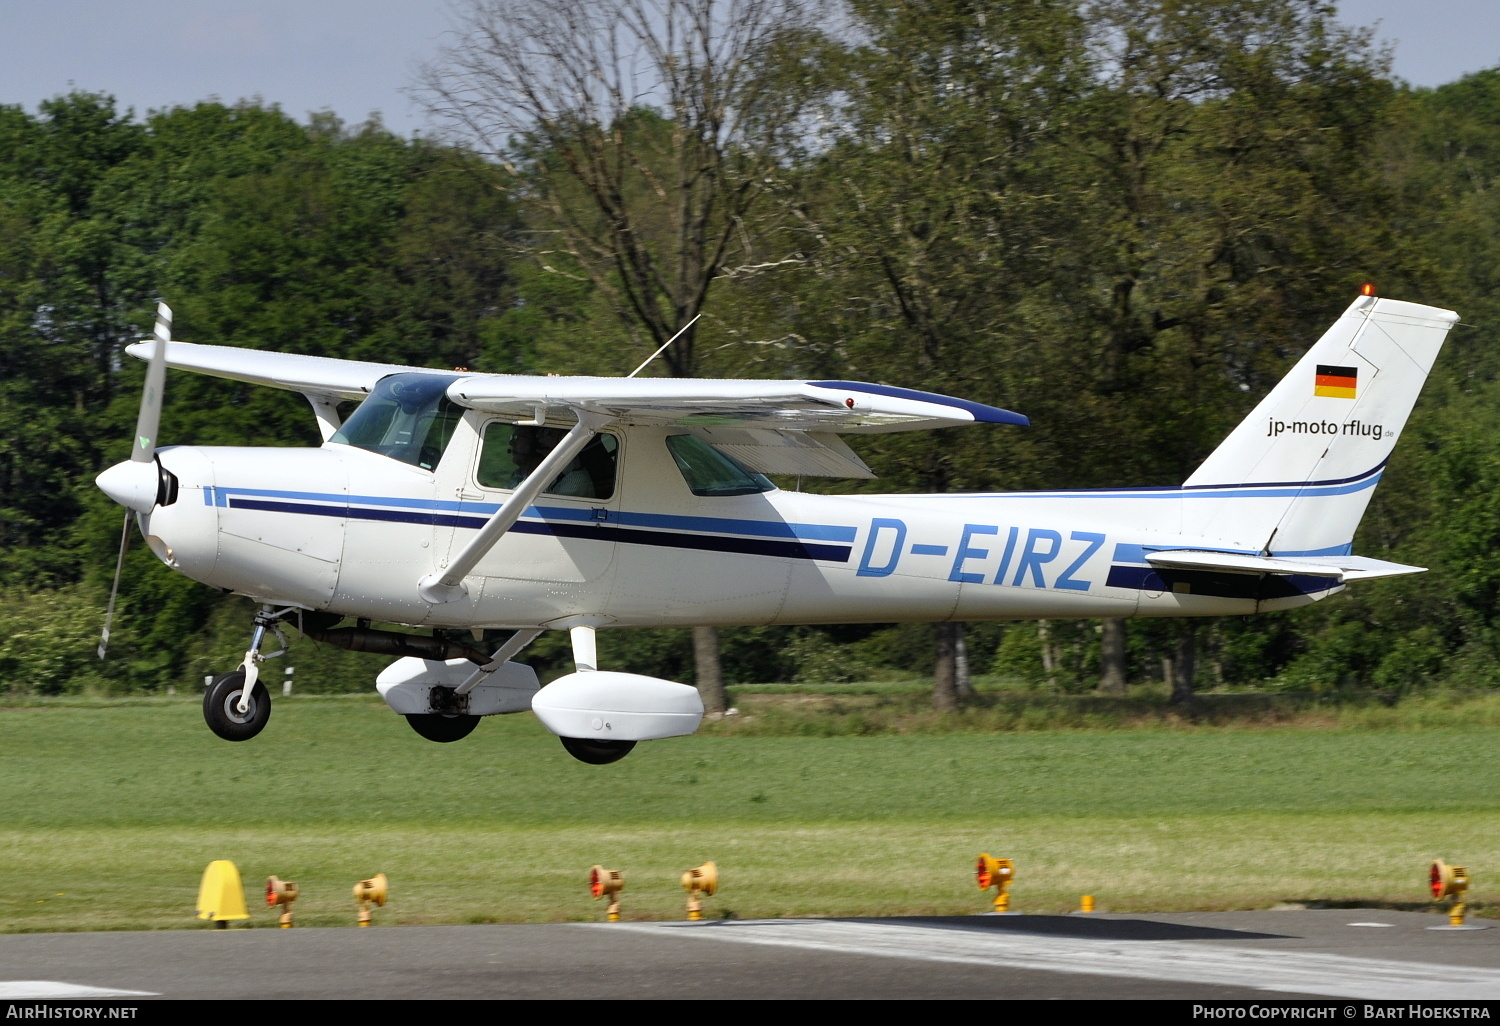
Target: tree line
[{"x": 1124, "y": 219}]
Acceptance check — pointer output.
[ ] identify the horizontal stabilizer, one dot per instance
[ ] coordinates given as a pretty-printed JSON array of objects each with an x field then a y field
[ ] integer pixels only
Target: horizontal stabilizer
[{"x": 1344, "y": 568}]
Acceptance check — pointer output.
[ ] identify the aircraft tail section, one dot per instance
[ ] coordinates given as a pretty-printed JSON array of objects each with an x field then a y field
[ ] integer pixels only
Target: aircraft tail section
[{"x": 1296, "y": 475}]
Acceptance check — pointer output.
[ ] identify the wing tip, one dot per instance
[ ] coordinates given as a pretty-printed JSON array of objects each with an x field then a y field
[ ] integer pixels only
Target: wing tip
[{"x": 980, "y": 412}]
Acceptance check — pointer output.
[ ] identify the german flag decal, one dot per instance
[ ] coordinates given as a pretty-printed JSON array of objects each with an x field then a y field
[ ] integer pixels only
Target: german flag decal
[{"x": 1336, "y": 382}]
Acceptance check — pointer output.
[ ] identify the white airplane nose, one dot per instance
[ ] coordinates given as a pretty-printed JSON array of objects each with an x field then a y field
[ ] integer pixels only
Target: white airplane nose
[{"x": 132, "y": 484}]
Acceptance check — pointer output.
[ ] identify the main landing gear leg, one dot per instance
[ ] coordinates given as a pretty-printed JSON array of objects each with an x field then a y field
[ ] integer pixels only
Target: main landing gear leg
[
  {"x": 237, "y": 706},
  {"x": 595, "y": 752}
]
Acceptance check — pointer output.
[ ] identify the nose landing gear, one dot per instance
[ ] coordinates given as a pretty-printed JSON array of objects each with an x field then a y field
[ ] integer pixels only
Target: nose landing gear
[
  {"x": 221, "y": 707},
  {"x": 236, "y": 705}
]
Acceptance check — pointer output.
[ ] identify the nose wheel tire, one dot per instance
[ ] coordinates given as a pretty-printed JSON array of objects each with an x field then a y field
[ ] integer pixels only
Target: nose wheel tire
[
  {"x": 221, "y": 707},
  {"x": 596, "y": 753},
  {"x": 437, "y": 727}
]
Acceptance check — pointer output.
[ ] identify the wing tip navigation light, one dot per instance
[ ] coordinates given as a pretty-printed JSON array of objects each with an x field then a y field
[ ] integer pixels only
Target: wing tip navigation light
[
  {"x": 702, "y": 879},
  {"x": 999, "y": 873},
  {"x": 608, "y": 882}
]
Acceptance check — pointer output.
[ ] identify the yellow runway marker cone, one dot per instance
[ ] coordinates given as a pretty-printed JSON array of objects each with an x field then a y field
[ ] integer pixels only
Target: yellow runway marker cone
[{"x": 221, "y": 896}]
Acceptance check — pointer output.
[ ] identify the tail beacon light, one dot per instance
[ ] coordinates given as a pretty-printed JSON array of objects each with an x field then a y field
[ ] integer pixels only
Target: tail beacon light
[{"x": 607, "y": 882}]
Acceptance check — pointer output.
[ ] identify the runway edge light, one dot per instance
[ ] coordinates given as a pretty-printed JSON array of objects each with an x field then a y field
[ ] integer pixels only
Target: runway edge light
[
  {"x": 1448, "y": 881},
  {"x": 999, "y": 873},
  {"x": 702, "y": 879},
  {"x": 368, "y": 892},
  {"x": 221, "y": 895},
  {"x": 281, "y": 892},
  {"x": 607, "y": 882}
]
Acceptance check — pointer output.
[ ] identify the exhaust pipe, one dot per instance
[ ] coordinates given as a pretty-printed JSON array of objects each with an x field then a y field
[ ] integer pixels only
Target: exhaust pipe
[{"x": 368, "y": 639}]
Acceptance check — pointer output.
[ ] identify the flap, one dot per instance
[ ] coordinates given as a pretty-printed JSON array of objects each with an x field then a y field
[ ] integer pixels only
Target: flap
[{"x": 792, "y": 453}]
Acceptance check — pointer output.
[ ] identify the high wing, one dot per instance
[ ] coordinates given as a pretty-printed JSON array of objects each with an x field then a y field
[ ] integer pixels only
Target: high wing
[
  {"x": 831, "y": 406},
  {"x": 782, "y": 406},
  {"x": 310, "y": 375}
]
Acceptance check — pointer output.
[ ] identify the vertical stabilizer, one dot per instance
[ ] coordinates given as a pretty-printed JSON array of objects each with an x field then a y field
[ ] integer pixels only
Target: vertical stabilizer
[{"x": 1297, "y": 474}]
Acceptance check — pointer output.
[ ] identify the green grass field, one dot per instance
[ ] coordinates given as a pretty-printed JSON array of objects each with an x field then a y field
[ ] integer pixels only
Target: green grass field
[{"x": 109, "y": 812}]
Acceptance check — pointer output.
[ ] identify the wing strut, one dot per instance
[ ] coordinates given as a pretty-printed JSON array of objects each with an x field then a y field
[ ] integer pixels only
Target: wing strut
[{"x": 446, "y": 584}]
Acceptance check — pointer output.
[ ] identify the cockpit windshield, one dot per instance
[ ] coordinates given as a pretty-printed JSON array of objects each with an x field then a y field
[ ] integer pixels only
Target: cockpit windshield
[{"x": 408, "y": 417}]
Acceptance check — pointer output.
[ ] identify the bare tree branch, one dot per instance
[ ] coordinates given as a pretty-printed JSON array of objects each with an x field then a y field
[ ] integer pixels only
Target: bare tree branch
[{"x": 649, "y": 130}]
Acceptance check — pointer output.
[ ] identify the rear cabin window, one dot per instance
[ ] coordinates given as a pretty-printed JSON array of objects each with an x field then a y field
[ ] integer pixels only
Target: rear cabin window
[
  {"x": 512, "y": 451},
  {"x": 708, "y": 471},
  {"x": 408, "y": 417}
]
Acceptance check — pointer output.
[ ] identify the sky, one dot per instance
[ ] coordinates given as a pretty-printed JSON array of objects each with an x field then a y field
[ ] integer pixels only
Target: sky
[{"x": 355, "y": 57}]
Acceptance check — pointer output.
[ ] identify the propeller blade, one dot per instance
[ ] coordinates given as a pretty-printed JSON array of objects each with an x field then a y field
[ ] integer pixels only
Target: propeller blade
[
  {"x": 143, "y": 449},
  {"x": 114, "y": 589}
]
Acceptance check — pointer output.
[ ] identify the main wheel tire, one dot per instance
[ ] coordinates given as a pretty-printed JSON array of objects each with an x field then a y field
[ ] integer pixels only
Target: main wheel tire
[
  {"x": 437, "y": 727},
  {"x": 596, "y": 753},
  {"x": 221, "y": 707}
]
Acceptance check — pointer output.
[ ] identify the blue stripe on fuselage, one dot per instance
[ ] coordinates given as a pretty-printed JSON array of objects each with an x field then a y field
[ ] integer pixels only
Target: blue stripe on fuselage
[
  {"x": 1218, "y": 585},
  {"x": 484, "y": 510},
  {"x": 573, "y": 523},
  {"x": 1254, "y": 490}
]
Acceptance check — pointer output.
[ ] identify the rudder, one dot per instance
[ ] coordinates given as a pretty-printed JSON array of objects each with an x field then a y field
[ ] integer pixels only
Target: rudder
[{"x": 1297, "y": 474}]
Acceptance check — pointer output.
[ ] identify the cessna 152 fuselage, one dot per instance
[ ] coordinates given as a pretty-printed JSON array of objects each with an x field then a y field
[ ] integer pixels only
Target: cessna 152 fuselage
[{"x": 453, "y": 500}]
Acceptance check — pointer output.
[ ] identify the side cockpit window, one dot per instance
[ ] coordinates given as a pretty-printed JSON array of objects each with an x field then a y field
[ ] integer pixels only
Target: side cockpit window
[
  {"x": 408, "y": 417},
  {"x": 708, "y": 471},
  {"x": 512, "y": 451}
]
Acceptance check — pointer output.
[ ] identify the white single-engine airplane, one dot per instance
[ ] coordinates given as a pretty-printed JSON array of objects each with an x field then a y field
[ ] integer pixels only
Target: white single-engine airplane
[{"x": 454, "y": 501}]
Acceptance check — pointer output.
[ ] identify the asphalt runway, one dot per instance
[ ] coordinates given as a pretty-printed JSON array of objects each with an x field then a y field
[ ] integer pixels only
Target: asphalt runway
[{"x": 1258, "y": 956}]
